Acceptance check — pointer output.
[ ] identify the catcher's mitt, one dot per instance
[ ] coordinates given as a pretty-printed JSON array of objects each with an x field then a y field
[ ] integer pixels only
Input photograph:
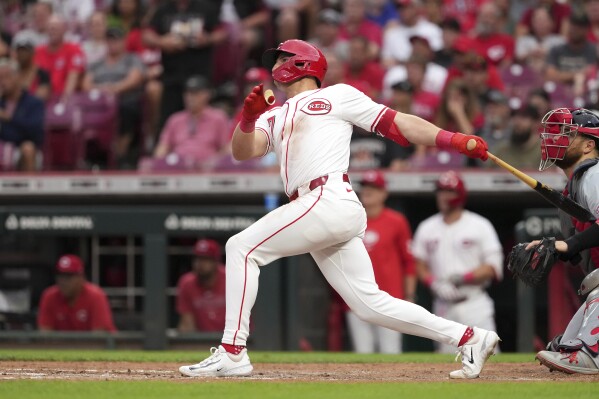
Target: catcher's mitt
[{"x": 532, "y": 266}]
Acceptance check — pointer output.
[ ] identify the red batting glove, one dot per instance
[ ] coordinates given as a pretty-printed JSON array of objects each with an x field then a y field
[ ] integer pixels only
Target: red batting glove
[
  {"x": 253, "y": 106},
  {"x": 459, "y": 142}
]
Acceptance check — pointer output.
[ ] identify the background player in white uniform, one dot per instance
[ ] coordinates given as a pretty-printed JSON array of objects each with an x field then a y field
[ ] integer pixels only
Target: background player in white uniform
[
  {"x": 570, "y": 140},
  {"x": 310, "y": 134},
  {"x": 457, "y": 255}
]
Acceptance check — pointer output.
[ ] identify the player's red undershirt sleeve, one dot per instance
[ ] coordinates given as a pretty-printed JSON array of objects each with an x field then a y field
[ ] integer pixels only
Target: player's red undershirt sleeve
[
  {"x": 44, "y": 318},
  {"x": 404, "y": 237},
  {"x": 387, "y": 128},
  {"x": 102, "y": 316}
]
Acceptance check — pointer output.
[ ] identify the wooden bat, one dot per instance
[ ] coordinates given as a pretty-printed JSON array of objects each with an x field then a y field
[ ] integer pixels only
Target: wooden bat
[
  {"x": 269, "y": 96},
  {"x": 556, "y": 198}
]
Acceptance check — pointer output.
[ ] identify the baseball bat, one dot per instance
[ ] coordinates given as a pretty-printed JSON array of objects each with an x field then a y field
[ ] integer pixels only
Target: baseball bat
[
  {"x": 556, "y": 198},
  {"x": 269, "y": 96}
]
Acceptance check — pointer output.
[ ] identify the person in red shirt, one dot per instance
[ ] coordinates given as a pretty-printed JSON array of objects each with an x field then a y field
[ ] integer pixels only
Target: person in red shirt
[
  {"x": 560, "y": 12},
  {"x": 362, "y": 73},
  {"x": 356, "y": 23},
  {"x": 387, "y": 240},
  {"x": 74, "y": 304},
  {"x": 64, "y": 62},
  {"x": 201, "y": 292},
  {"x": 496, "y": 46}
]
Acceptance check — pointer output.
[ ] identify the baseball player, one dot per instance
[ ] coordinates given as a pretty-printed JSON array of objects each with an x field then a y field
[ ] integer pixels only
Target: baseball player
[
  {"x": 457, "y": 255},
  {"x": 570, "y": 140},
  {"x": 310, "y": 134}
]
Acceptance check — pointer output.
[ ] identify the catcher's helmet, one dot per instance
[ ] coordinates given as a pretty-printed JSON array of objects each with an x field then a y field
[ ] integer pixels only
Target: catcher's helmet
[
  {"x": 451, "y": 181},
  {"x": 306, "y": 60},
  {"x": 560, "y": 127},
  {"x": 590, "y": 282}
]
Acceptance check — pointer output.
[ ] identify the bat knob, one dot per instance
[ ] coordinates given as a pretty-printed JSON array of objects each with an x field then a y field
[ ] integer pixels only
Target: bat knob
[
  {"x": 471, "y": 145},
  {"x": 269, "y": 96}
]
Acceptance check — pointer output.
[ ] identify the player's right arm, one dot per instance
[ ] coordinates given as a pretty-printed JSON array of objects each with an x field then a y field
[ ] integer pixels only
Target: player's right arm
[{"x": 249, "y": 142}]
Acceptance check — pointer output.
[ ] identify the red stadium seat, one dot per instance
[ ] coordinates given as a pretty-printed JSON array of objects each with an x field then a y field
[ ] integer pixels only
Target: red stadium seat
[{"x": 62, "y": 143}]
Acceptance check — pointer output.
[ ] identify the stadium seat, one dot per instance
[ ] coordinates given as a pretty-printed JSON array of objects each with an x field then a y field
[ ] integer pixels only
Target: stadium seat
[{"x": 62, "y": 144}]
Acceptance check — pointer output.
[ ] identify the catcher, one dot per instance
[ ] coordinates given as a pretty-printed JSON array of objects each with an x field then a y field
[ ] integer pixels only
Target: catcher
[{"x": 570, "y": 140}]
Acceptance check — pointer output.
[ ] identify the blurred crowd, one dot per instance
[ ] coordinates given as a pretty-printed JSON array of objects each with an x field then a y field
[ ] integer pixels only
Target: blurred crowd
[{"x": 157, "y": 84}]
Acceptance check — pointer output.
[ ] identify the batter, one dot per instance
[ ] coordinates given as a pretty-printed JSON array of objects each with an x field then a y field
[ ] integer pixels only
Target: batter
[{"x": 310, "y": 134}]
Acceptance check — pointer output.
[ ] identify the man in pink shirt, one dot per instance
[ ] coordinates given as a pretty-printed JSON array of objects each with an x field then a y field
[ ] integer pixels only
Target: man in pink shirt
[
  {"x": 201, "y": 292},
  {"x": 198, "y": 136}
]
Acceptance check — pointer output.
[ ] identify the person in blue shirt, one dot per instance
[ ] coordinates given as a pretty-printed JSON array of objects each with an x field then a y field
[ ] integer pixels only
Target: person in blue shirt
[{"x": 21, "y": 117}]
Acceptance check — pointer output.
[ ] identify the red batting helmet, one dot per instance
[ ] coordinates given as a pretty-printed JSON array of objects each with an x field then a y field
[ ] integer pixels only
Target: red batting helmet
[
  {"x": 306, "y": 60},
  {"x": 560, "y": 127},
  {"x": 451, "y": 181}
]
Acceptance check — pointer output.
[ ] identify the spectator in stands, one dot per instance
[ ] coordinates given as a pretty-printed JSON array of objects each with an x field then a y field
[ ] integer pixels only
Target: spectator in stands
[
  {"x": 396, "y": 43},
  {"x": 521, "y": 149},
  {"x": 21, "y": 118},
  {"x": 560, "y": 12},
  {"x": 491, "y": 40},
  {"x": 186, "y": 33},
  {"x": 451, "y": 31},
  {"x": 387, "y": 239},
  {"x": 76, "y": 13},
  {"x": 95, "y": 47},
  {"x": 120, "y": 74},
  {"x": 425, "y": 102},
  {"x": 292, "y": 19},
  {"x": 326, "y": 34},
  {"x": 198, "y": 136},
  {"x": 571, "y": 62},
  {"x": 532, "y": 49},
  {"x": 497, "y": 113},
  {"x": 74, "y": 304},
  {"x": 336, "y": 70},
  {"x": 33, "y": 79},
  {"x": 201, "y": 292},
  {"x": 465, "y": 12},
  {"x": 64, "y": 61},
  {"x": 12, "y": 12},
  {"x": 459, "y": 109},
  {"x": 37, "y": 26},
  {"x": 355, "y": 23},
  {"x": 361, "y": 72},
  {"x": 591, "y": 10},
  {"x": 251, "y": 17},
  {"x": 476, "y": 76},
  {"x": 463, "y": 55},
  {"x": 540, "y": 99},
  {"x": 382, "y": 12}
]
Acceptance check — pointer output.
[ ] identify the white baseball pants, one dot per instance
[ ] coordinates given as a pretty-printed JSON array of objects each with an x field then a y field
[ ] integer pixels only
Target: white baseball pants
[{"x": 329, "y": 223}]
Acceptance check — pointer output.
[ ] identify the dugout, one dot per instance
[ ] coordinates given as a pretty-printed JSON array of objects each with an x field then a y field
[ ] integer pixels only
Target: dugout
[{"x": 152, "y": 217}]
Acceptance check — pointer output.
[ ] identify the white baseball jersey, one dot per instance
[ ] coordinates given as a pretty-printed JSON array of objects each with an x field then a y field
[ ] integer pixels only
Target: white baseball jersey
[
  {"x": 311, "y": 132},
  {"x": 459, "y": 248},
  {"x": 311, "y": 135}
]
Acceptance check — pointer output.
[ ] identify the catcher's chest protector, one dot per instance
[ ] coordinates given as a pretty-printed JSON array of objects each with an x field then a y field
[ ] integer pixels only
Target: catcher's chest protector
[{"x": 590, "y": 258}]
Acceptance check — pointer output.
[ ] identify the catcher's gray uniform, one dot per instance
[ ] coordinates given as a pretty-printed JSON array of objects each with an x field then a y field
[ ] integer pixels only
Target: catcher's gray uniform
[{"x": 583, "y": 187}]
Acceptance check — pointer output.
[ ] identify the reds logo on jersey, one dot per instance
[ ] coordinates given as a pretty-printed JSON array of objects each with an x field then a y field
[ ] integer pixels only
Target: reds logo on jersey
[{"x": 318, "y": 106}]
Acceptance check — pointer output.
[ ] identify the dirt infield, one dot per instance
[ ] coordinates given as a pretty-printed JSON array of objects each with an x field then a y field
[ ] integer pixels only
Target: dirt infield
[{"x": 374, "y": 372}]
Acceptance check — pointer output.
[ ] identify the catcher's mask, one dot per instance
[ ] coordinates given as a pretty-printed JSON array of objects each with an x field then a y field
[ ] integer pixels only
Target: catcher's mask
[
  {"x": 559, "y": 128},
  {"x": 451, "y": 181},
  {"x": 305, "y": 60}
]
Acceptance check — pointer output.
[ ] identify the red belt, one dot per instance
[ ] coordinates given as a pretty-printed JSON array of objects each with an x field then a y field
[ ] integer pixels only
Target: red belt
[{"x": 319, "y": 181}]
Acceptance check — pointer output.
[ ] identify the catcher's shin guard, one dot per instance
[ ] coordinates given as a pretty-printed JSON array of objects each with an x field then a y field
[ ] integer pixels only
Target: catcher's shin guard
[{"x": 586, "y": 340}]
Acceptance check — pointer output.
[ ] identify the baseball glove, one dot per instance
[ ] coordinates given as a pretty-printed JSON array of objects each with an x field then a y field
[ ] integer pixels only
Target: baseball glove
[{"x": 532, "y": 266}]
